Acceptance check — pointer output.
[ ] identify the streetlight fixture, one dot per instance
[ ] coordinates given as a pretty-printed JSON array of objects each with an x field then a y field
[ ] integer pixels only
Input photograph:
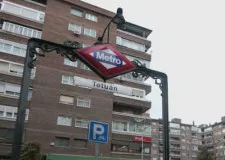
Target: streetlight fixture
[
  {"x": 39, "y": 47},
  {"x": 117, "y": 19},
  {"x": 142, "y": 142},
  {"x": 141, "y": 121}
]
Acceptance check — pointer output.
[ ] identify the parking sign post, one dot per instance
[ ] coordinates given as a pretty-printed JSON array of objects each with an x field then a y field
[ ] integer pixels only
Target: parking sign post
[
  {"x": 98, "y": 133},
  {"x": 96, "y": 150}
]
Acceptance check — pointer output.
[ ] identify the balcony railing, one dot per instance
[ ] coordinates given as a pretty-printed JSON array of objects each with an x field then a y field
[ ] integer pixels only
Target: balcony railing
[
  {"x": 130, "y": 115},
  {"x": 134, "y": 35}
]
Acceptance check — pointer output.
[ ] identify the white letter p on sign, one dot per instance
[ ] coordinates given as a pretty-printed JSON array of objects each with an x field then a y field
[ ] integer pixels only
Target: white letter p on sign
[{"x": 98, "y": 130}]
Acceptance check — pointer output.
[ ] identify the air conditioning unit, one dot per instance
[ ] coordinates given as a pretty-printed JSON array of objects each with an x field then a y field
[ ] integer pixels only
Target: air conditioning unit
[{"x": 77, "y": 33}]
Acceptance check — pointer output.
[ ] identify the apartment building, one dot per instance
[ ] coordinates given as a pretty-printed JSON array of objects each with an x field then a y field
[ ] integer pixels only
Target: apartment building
[
  {"x": 213, "y": 138},
  {"x": 64, "y": 96},
  {"x": 185, "y": 140}
]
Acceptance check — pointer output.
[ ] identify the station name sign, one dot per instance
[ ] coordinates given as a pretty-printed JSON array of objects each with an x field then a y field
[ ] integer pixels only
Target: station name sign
[{"x": 116, "y": 88}]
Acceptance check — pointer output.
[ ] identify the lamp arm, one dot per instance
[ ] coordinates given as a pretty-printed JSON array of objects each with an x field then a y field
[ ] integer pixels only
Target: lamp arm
[{"x": 103, "y": 34}]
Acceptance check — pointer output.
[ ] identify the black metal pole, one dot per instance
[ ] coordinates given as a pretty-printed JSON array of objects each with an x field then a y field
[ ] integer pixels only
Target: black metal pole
[
  {"x": 165, "y": 115},
  {"x": 23, "y": 103}
]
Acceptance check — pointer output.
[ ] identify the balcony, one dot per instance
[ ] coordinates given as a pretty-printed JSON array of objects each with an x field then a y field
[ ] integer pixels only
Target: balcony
[
  {"x": 138, "y": 104},
  {"x": 175, "y": 140},
  {"x": 131, "y": 115},
  {"x": 172, "y": 148},
  {"x": 175, "y": 155},
  {"x": 38, "y": 2}
]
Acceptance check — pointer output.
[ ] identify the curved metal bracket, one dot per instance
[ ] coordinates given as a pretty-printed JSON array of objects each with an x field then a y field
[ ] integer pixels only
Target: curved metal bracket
[
  {"x": 39, "y": 47},
  {"x": 142, "y": 71}
]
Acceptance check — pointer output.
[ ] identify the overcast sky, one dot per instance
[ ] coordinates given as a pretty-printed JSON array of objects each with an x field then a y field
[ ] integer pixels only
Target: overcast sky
[{"x": 188, "y": 44}]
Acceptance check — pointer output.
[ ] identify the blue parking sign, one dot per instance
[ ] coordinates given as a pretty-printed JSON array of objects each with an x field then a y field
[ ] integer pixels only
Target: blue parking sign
[{"x": 98, "y": 132}]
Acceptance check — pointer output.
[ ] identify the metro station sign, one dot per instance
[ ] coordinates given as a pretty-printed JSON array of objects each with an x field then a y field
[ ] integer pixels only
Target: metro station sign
[{"x": 105, "y": 60}]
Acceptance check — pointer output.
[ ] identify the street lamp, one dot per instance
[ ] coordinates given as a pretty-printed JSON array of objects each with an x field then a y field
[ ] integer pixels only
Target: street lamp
[
  {"x": 39, "y": 47},
  {"x": 141, "y": 121},
  {"x": 142, "y": 142},
  {"x": 117, "y": 19}
]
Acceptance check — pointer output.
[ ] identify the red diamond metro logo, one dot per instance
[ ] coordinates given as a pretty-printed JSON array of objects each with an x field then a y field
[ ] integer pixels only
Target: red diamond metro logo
[{"x": 105, "y": 60}]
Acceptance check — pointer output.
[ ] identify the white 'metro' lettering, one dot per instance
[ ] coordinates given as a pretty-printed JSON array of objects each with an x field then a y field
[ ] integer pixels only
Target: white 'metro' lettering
[{"x": 108, "y": 58}]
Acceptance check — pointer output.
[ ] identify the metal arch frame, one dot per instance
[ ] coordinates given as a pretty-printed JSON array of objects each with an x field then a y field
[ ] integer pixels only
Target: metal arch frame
[
  {"x": 38, "y": 47},
  {"x": 143, "y": 71}
]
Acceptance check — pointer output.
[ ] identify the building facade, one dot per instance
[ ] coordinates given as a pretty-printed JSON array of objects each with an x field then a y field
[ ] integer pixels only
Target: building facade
[
  {"x": 213, "y": 139},
  {"x": 185, "y": 140},
  {"x": 64, "y": 96}
]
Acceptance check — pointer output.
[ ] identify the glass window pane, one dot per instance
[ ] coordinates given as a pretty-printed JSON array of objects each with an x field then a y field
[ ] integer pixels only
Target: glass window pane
[
  {"x": 132, "y": 127},
  {"x": 7, "y": 48},
  {"x": 61, "y": 142},
  {"x": 9, "y": 114},
  {"x": 1, "y": 113},
  {"x": 66, "y": 99},
  {"x": 76, "y": 12}
]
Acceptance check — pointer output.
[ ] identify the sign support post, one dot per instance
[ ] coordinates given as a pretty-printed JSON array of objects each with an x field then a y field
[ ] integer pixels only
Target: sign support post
[{"x": 96, "y": 151}]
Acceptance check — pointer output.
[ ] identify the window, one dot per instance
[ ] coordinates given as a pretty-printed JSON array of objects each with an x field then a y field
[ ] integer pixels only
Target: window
[
  {"x": 13, "y": 90},
  {"x": 15, "y": 69},
  {"x": 70, "y": 63},
  {"x": 208, "y": 129},
  {"x": 67, "y": 80},
  {"x": 183, "y": 127},
  {"x": 82, "y": 102},
  {"x": 131, "y": 127},
  {"x": 76, "y": 12},
  {"x": 10, "y": 113},
  {"x": 119, "y": 126},
  {"x": 90, "y": 32},
  {"x": 130, "y": 44},
  {"x": 138, "y": 93},
  {"x": 12, "y": 48},
  {"x": 174, "y": 125},
  {"x": 22, "y": 11},
  {"x": 193, "y": 128},
  {"x": 62, "y": 142},
  {"x": 173, "y": 131},
  {"x": 122, "y": 148},
  {"x": 66, "y": 99},
  {"x": 91, "y": 17},
  {"x": 6, "y": 135},
  {"x": 21, "y": 30},
  {"x": 83, "y": 123},
  {"x": 75, "y": 28},
  {"x": 80, "y": 143},
  {"x": 119, "y": 148},
  {"x": 64, "y": 121},
  {"x": 84, "y": 66}
]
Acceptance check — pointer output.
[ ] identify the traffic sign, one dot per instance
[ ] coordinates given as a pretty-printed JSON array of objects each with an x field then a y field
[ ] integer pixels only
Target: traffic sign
[
  {"x": 98, "y": 132},
  {"x": 105, "y": 60}
]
